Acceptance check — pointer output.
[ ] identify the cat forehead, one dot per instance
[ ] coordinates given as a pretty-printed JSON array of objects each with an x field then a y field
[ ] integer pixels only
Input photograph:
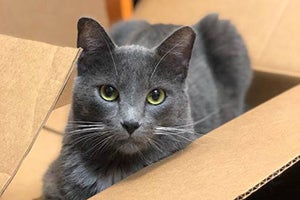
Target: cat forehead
[
  {"x": 135, "y": 58},
  {"x": 132, "y": 48},
  {"x": 134, "y": 51}
]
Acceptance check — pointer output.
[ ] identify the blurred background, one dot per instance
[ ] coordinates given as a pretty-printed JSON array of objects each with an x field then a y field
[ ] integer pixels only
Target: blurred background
[{"x": 54, "y": 21}]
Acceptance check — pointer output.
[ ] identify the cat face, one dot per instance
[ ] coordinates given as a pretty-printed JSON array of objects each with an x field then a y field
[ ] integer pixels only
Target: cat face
[{"x": 131, "y": 99}]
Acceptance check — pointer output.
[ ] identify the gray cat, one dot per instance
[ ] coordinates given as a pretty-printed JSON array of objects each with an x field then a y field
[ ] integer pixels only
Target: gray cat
[{"x": 144, "y": 96}]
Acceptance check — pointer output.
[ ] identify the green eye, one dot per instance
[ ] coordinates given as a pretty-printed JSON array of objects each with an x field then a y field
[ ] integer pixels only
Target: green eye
[
  {"x": 156, "y": 96},
  {"x": 108, "y": 93}
]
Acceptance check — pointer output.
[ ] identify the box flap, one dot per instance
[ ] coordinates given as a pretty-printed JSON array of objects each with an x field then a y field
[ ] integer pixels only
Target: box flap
[
  {"x": 27, "y": 183},
  {"x": 58, "y": 119},
  {"x": 32, "y": 76},
  {"x": 281, "y": 51},
  {"x": 226, "y": 162}
]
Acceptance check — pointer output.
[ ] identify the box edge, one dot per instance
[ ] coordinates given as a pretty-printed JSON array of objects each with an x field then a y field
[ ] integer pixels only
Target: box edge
[
  {"x": 43, "y": 122},
  {"x": 269, "y": 178}
]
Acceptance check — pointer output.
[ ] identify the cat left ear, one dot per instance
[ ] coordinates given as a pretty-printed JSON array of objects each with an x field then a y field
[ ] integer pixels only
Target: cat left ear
[
  {"x": 177, "y": 49},
  {"x": 92, "y": 36}
]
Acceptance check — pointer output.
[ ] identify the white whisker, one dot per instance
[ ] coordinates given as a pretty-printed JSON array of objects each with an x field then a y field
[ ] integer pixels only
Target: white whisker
[
  {"x": 99, "y": 145},
  {"x": 144, "y": 158},
  {"x": 84, "y": 130},
  {"x": 84, "y": 125},
  {"x": 84, "y": 137},
  {"x": 204, "y": 118},
  {"x": 177, "y": 135}
]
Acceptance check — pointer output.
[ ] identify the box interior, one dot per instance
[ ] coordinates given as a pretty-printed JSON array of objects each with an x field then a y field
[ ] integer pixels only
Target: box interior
[
  {"x": 285, "y": 186},
  {"x": 266, "y": 85}
]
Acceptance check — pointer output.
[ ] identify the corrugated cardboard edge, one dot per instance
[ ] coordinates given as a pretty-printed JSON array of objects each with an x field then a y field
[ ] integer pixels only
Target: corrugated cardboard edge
[
  {"x": 43, "y": 123},
  {"x": 268, "y": 179}
]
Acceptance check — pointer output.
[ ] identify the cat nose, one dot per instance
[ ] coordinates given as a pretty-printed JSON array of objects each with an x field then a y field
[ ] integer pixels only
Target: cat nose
[{"x": 130, "y": 126}]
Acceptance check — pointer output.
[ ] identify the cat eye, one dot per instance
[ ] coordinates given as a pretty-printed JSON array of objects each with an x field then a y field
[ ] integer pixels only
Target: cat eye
[
  {"x": 156, "y": 96},
  {"x": 108, "y": 93}
]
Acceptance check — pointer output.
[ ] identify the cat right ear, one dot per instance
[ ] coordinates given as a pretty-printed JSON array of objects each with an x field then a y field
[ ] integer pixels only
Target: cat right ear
[
  {"x": 92, "y": 36},
  {"x": 177, "y": 50}
]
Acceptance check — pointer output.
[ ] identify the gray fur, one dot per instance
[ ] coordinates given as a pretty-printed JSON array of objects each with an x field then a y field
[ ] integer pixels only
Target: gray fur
[{"x": 204, "y": 70}]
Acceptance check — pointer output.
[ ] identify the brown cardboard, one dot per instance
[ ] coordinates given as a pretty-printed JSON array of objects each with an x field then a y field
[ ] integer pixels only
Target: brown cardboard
[
  {"x": 227, "y": 162},
  {"x": 33, "y": 75},
  {"x": 270, "y": 27},
  {"x": 58, "y": 119},
  {"x": 281, "y": 52},
  {"x": 52, "y": 21},
  {"x": 27, "y": 183},
  {"x": 266, "y": 85}
]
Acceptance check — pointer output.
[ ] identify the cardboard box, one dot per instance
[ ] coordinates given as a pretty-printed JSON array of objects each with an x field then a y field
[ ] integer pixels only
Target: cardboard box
[
  {"x": 231, "y": 162},
  {"x": 237, "y": 160},
  {"x": 33, "y": 75}
]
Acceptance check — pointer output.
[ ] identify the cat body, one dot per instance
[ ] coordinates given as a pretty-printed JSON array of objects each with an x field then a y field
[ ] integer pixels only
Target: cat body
[{"x": 145, "y": 97}]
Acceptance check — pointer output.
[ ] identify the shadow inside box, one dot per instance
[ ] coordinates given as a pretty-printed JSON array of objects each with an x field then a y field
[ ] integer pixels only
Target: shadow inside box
[{"x": 286, "y": 186}]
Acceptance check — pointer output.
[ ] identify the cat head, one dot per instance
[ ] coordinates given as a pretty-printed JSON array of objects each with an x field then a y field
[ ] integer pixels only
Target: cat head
[{"x": 129, "y": 99}]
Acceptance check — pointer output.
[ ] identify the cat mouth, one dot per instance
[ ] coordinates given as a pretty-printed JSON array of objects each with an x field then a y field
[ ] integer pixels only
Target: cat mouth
[{"x": 132, "y": 145}]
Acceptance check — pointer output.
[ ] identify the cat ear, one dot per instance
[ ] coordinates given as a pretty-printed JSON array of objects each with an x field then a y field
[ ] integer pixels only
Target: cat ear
[
  {"x": 177, "y": 49},
  {"x": 92, "y": 36}
]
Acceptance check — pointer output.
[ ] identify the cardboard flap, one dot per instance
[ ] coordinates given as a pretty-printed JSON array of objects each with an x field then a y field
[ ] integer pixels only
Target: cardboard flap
[
  {"x": 226, "y": 162},
  {"x": 32, "y": 76}
]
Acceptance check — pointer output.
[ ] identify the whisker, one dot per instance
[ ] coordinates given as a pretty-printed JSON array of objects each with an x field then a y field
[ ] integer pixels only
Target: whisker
[
  {"x": 205, "y": 117},
  {"x": 200, "y": 120},
  {"x": 99, "y": 145},
  {"x": 175, "y": 129},
  {"x": 82, "y": 138},
  {"x": 84, "y": 122},
  {"x": 168, "y": 135},
  {"x": 155, "y": 144},
  {"x": 84, "y": 130},
  {"x": 173, "y": 134},
  {"x": 86, "y": 137},
  {"x": 85, "y": 125},
  {"x": 144, "y": 158}
]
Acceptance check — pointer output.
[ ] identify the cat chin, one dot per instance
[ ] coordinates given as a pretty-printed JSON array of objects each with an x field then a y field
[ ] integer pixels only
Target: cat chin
[
  {"x": 129, "y": 149},
  {"x": 131, "y": 146}
]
